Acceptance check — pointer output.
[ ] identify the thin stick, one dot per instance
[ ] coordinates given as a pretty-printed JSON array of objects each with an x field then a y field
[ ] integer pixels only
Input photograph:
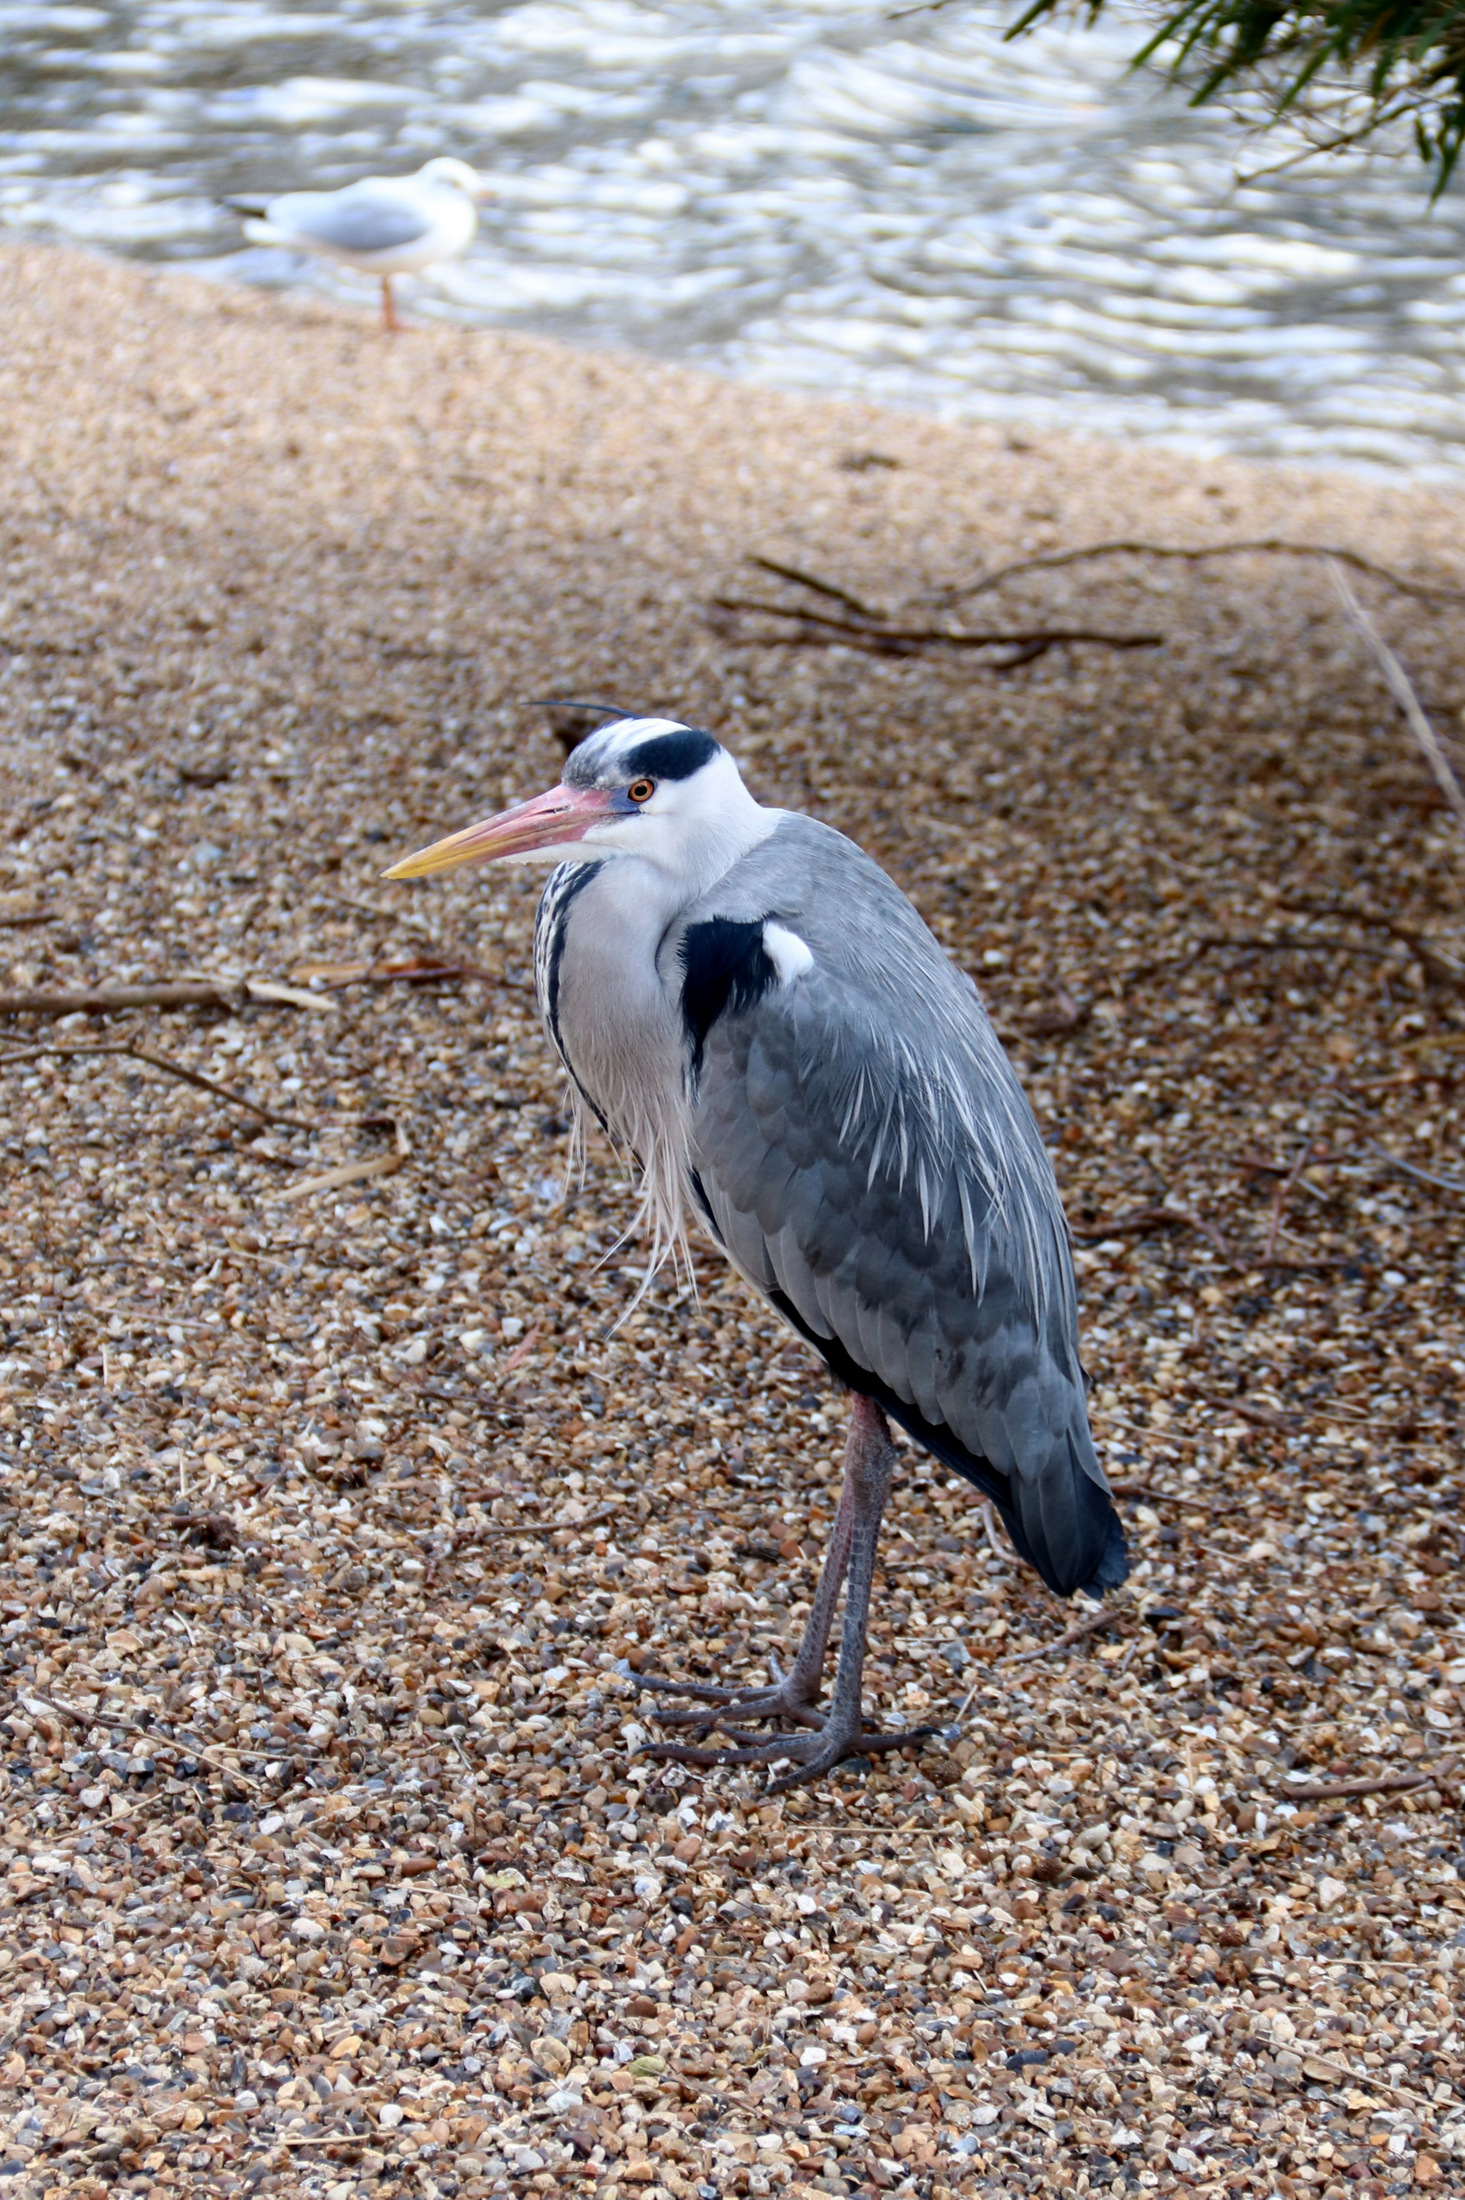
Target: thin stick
[
  {"x": 1399, "y": 1783},
  {"x": 1399, "y": 686},
  {"x": 989, "y": 1522},
  {"x": 1273, "y": 545},
  {"x": 1076, "y": 1633},
  {"x": 350, "y": 1172},
  {"x": 901, "y": 640},
  {"x": 464, "y": 1536},
  {"x": 186, "y": 993},
  {"x": 1142, "y": 1219},
  {"x": 97, "y": 999},
  {"x": 83, "y": 1719},
  {"x": 820, "y": 587},
  {"x": 1410, "y": 1168},
  {"x": 174, "y": 1069},
  {"x": 1261, "y": 1416},
  {"x": 1441, "y": 969},
  {"x": 1283, "y": 1194}
]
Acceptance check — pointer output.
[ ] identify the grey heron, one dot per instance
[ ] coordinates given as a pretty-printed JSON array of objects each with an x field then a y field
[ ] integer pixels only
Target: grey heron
[
  {"x": 746, "y": 1001},
  {"x": 382, "y": 225}
]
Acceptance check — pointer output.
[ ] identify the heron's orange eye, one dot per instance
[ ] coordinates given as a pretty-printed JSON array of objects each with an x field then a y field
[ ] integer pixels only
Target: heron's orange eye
[{"x": 641, "y": 790}]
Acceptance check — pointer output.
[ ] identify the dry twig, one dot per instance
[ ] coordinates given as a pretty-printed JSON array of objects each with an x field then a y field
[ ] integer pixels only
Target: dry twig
[
  {"x": 82, "y": 1720},
  {"x": 352, "y": 1172},
  {"x": 1262, "y": 1416},
  {"x": 418, "y": 970},
  {"x": 164, "y": 1062},
  {"x": 831, "y": 589},
  {"x": 182, "y": 993},
  {"x": 1438, "y": 969},
  {"x": 885, "y": 639},
  {"x": 463, "y": 1536},
  {"x": 1274, "y": 545},
  {"x": 1282, "y": 1195},
  {"x": 1412, "y": 1168},
  {"x": 1078, "y": 1632},
  {"x": 1401, "y": 688},
  {"x": 1397, "y": 1783},
  {"x": 1141, "y": 1219},
  {"x": 988, "y": 1512}
]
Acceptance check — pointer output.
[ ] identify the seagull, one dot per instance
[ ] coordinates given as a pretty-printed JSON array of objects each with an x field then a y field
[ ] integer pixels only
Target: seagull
[
  {"x": 383, "y": 225},
  {"x": 743, "y": 999}
]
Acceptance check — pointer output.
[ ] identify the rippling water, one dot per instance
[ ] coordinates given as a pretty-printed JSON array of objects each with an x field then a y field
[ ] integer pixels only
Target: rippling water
[{"x": 821, "y": 196}]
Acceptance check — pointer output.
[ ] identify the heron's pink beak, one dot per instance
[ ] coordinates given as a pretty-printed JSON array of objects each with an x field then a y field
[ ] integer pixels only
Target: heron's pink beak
[{"x": 551, "y": 820}]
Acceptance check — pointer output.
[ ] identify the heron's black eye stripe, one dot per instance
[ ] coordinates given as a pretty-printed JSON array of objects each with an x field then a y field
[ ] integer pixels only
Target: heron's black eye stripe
[
  {"x": 641, "y": 790},
  {"x": 671, "y": 755}
]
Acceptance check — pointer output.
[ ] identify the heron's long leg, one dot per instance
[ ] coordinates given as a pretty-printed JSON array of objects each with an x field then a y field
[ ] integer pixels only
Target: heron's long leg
[
  {"x": 794, "y": 1693},
  {"x": 841, "y": 1732},
  {"x": 870, "y": 1466},
  {"x": 804, "y": 1675}
]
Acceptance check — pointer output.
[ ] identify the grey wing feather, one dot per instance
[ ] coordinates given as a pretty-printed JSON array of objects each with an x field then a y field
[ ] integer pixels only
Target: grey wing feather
[
  {"x": 349, "y": 221},
  {"x": 871, "y": 1164}
]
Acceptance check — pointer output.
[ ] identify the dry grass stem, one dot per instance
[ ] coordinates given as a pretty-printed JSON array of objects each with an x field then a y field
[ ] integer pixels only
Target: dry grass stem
[{"x": 1401, "y": 688}]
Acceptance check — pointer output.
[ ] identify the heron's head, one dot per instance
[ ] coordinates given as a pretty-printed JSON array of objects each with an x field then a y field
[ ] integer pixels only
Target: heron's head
[
  {"x": 456, "y": 175},
  {"x": 644, "y": 787}
]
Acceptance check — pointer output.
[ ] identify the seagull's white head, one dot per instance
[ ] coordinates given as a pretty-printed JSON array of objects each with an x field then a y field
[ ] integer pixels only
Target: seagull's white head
[
  {"x": 645, "y": 787},
  {"x": 454, "y": 175}
]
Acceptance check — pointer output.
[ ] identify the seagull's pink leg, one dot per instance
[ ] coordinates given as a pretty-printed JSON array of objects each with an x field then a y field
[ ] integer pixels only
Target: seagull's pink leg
[{"x": 389, "y": 307}]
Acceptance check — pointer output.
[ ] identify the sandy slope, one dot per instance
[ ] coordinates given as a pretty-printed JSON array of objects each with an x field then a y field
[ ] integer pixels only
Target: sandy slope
[{"x": 328, "y": 1520}]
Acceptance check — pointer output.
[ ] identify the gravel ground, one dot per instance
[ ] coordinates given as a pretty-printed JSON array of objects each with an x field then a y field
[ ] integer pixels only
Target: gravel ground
[{"x": 337, "y": 1517}]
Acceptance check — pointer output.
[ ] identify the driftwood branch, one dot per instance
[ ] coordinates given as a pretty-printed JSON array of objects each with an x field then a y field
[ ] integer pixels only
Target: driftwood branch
[
  {"x": 184, "y": 993},
  {"x": 1397, "y": 680},
  {"x": 166, "y": 1063},
  {"x": 1446, "y": 1773},
  {"x": 1273, "y": 545}
]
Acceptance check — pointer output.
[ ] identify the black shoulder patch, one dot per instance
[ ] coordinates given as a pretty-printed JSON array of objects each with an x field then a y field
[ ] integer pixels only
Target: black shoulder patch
[
  {"x": 670, "y": 755},
  {"x": 724, "y": 966},
  {"x": 699, "y": 1191}
]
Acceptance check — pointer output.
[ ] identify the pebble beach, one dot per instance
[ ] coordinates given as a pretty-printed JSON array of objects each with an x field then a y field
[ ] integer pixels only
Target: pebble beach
[{"x": 339, "y": 1514}]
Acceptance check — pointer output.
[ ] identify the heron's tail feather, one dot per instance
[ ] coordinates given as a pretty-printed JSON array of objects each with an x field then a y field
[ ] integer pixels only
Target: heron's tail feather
[{"x": 1062, "y": 1521}]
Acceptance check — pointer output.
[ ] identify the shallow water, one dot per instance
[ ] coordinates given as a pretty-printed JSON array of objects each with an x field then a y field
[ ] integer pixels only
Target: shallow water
[{"x": 825, "y": 197}]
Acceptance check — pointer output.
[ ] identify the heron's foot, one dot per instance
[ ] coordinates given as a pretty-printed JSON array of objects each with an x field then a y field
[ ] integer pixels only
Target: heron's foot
[
  {"x": 786, "y": 1698},
  {"x": 807, "y": 1756}
]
